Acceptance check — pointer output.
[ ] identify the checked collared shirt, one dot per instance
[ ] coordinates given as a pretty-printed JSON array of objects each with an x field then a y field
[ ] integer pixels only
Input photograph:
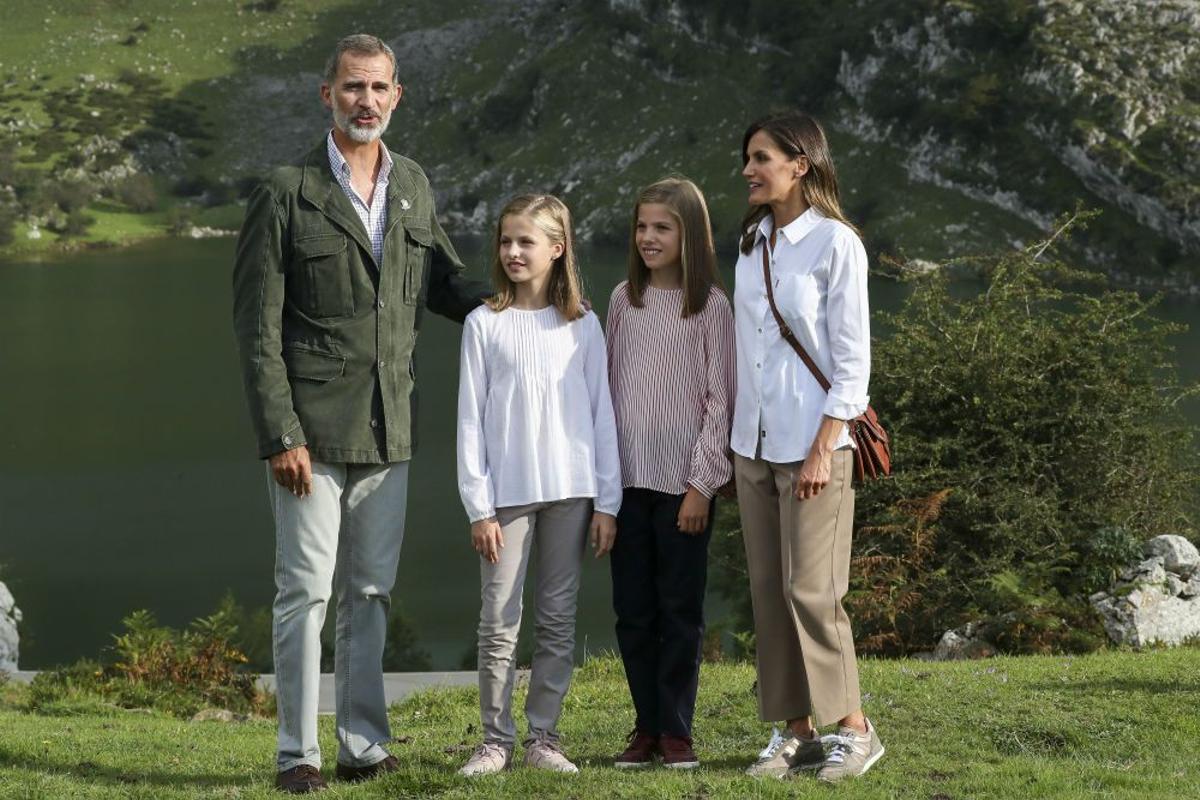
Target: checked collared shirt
[{"x": 373, "y": 216}]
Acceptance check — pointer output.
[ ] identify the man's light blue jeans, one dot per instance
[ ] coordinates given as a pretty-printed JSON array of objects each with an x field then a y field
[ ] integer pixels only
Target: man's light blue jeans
[{"x": 344, "y": 539}]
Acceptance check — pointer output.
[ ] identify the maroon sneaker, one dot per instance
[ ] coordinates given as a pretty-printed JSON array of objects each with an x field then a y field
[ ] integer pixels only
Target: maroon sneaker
[
  {"x": 677, "y": 752},
  {"x": 640, "y": 752}
]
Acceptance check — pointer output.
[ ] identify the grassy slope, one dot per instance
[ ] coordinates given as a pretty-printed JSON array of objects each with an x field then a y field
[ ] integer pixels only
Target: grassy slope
[
  {"x": 604, "y": 119},
  {"x": 1117, "y": 725},
  {"x": 51, "y": 45}
]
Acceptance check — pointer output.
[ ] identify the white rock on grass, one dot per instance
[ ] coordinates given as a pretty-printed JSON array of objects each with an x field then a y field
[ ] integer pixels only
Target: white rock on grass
[
  {"x": 1156, "y": 600},
  {"x": 218, "y": 715},
  {"x": 1148, "y": 616},
  {"x": 962, "y": 643},
  {"x": 10, "y": 615},
  {"x": 1178, "y": 554}
]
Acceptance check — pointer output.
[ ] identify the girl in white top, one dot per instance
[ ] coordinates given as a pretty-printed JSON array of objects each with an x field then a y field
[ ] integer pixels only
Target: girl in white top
[
  {"x": 670, "y": 348},
  {"x": 538, "y": 468},
  {"x": 793, "y": 463}
]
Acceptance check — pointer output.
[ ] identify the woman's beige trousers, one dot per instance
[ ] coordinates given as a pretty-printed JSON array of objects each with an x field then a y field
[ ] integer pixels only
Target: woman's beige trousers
[{"x": 798, "y": 555}]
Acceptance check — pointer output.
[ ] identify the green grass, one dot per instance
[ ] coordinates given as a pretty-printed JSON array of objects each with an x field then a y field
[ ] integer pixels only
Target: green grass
[
  {"x": 180, "y": 42},
  {"x": 114, "y": 227},
  {"x": 1109, "y": 725}
]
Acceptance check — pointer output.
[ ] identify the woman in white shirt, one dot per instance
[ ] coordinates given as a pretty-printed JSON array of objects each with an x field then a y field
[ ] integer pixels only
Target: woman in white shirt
[{"x": 792, "y": 451}]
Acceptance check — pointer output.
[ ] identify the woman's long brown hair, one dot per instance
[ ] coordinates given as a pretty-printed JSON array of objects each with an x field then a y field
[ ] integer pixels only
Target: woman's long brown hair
[
  {"x": 797, "y": 135},
  {"x": 697, "y": 257}
]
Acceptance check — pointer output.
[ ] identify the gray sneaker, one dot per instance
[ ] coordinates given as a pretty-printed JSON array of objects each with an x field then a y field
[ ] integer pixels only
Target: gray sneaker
[
  {"x": 783, "y": 755},
  {"x": 852, "y": 754},
  {"x": 488, "y": 759},
  {"x": 545, "y": 753}
]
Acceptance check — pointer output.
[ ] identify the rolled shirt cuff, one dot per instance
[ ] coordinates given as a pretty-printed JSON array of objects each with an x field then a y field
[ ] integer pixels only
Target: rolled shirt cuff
[{"x": 842, "y": 409}]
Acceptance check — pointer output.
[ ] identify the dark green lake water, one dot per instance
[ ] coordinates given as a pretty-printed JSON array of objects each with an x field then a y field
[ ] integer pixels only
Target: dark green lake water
[{"x": 128, "y": 477}]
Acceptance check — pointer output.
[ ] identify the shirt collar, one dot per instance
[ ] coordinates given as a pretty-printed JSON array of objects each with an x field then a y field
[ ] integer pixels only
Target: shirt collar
[
  {"x": 340, "y": 166},
  {"x": 795, "y": 230}
]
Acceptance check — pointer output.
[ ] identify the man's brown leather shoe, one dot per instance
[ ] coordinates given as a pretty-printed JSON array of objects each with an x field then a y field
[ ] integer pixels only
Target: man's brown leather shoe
[
  {"x": 356, "y": 774},
  {"x": 300, "y": 780}
]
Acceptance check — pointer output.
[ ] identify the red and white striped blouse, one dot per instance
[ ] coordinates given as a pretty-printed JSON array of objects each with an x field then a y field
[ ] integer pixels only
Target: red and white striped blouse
[{"x": 672, "y": 382}]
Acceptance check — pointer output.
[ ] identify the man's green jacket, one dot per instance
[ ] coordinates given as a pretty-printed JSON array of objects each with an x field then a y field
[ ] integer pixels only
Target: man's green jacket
[{"x": 325, "y": 334}]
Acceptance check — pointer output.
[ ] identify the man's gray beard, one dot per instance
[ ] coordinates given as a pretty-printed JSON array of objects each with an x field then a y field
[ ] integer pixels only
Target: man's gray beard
[{"x": 345, "y": 124}]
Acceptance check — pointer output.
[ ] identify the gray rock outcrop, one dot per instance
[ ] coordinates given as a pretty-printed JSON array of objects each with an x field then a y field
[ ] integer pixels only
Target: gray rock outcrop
[
  {"x": 1156, "y": 600},
  {"x": 960, "y": 644},
  {"x": 1178, "y": 554},
  {"x": 10, "y": 615}
]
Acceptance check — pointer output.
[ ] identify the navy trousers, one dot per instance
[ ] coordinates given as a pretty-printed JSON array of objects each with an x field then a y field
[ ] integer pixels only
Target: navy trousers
[{"x": 659, "y": 574}]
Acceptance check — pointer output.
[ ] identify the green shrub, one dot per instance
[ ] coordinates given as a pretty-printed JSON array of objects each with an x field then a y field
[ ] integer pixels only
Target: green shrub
[
  {"x": 1107, "y": 552},
  {"x": 71, "y": 195},
  {"x": 1037, "y": 440},
  {"x": 77, "y": 223},
  {"x": 154, "y": 666},
  {"x": 137, "y": 193}
]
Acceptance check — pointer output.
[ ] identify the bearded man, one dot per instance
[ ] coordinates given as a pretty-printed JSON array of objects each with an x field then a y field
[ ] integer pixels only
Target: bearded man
[{"x": 338, "y": 255}]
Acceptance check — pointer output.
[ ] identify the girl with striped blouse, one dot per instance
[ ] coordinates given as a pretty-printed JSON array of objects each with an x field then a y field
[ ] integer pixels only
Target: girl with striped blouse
[
  {"x": 538, "y": 469},
  {"x": 671, "y": 369}
]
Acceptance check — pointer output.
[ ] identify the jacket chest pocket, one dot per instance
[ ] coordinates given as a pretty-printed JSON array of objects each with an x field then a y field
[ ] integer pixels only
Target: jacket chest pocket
[
  {"x": 417, "y": 244},
  {"x": 323, "y": 270}
]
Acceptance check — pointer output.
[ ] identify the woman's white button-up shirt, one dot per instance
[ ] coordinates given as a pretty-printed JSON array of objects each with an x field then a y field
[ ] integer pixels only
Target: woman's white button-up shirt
[{"x": 819, "y": 278}]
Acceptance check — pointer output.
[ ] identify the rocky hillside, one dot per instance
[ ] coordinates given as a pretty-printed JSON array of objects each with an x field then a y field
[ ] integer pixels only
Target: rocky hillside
[{"x": 956, "y": 125}]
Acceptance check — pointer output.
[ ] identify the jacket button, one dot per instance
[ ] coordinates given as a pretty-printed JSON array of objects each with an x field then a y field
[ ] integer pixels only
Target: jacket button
[
  {"x": 381, "y": 304},
  {"x": 374, "y": 423},
  {"x": 382, "y": 364},
  {"x": 287, "y": 441}
]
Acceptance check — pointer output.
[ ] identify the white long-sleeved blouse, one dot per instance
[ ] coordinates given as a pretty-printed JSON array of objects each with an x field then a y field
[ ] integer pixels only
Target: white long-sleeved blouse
[
  {"x": 819, "y": 279},
  {"x": 535, "y": 417}
]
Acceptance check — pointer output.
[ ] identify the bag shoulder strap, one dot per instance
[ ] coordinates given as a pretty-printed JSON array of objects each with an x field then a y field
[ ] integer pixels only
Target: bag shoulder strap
[{"x": 784, "y": 330}]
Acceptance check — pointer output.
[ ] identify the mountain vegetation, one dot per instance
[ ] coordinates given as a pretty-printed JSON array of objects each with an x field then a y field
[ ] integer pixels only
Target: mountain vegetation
[{"x": 957, "y": 126}]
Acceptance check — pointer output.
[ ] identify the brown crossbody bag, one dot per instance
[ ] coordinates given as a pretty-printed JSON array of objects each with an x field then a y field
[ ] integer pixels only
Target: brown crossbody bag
[{"x": 872, "y": 448}]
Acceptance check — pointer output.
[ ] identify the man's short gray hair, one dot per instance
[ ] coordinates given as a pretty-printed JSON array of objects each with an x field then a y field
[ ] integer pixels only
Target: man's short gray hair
[{"x": 364, "y": 44}]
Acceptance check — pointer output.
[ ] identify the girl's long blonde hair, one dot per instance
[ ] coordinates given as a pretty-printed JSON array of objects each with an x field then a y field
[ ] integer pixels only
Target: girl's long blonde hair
[
  {"x": 552, "y": 218},
  {"x": 696, "y": 254},
  {"x": 797, "y": 135}
]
